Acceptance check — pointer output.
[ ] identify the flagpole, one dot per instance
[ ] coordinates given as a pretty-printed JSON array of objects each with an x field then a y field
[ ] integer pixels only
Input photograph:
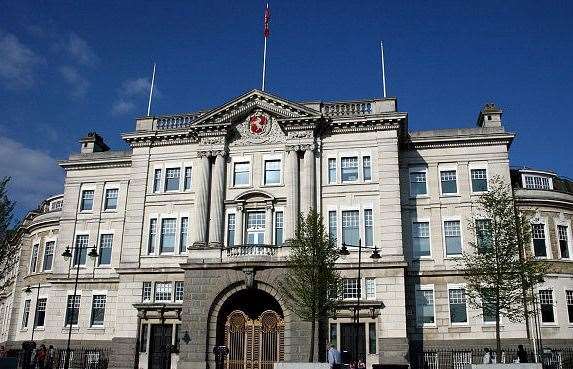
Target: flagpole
[
  {"x": 265, "y": 47},
  {"x": 151, "y": 90},
  {"x": 383, "y": 71}
]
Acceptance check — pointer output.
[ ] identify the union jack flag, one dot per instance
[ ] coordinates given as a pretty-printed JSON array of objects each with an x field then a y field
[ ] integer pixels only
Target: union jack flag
[{"x": 267, "y": 30}]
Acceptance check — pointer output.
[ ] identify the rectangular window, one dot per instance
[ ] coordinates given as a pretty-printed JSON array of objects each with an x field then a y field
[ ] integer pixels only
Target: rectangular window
[
  {"x": 111, "y": 199},
  {"x": 479, "y": 180},
  {"x": 569, "y": 295},
  {"x": 350, "y": 288},
  {"x": 105, "y": 247},
  {"x": 241, "y": 174},
  {"x": 563, "y": 235},
  {"x": 350, "y": 227},
  {"x": 26, "y": 314},
  {"x": 81, "y": 249},
  {"x": 425, "y": 311},
  {"x": 98, "y": 310},
  {"x": 87, "y": 201},
  {"x": 453, "y": 237},
  {"x": 157, "y": 180},
  {"x": 332, "y": 225},
  {"x": 333, "y": 335},
  {"x": 537, "y": 183},
  {"x": 272, "y": 172},
  {"x": 332, "y": 170},
  {"x": 370, "y": 285},
  {"x": 488, "y": 306},
  {"x": 179, "y": 291},
  {"x": 183, "y": 235},
  {"x": 230, "y": 230},
  {"x": 538, "y": 235},
  {"x": 458, "y": 311},
  {"x": 152, "y": 236},
  {"x": 483, "y": 235},
  {"x": 371, "y": 338},
  {"x": 146, "y": 292},
  {"x": 188, "y": 179},
  {"x": 279, "y": 226},
  {"x": 143, "y": 338},
  {"x": 167, "y": 243},
  {"x": 48, "y": 255},
  {"x": 34, "y": 258},
  {"x": 40, "y": 316},
  {"x": 418, "y": 183},
  {"x": 366, "y": 168},
  {"x": 421, "y": 239},
  {"x": 163, "y": 291},
  {"x": 349, "y": 169},
  {"x": 172, "y": 179},
  {"x": 73, "y": 309},
  {"x": 256, "y": 228},
  {"x": 368, "y": 228},
  {"x": 448, "y": 179},
  {"x": 546, "y": 303}
]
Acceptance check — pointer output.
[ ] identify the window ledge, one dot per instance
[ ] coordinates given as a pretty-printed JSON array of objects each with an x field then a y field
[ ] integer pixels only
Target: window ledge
[
  {"x": 96, "y": 328},
  {"x": 39, "y": 329},
  {"x": 106, "y": 211},
  {"x": 273, "y": 185},
  {"x": 416, "y": 197},
  {"x": 549, "y": 325},
  {"x": 163, "y": 256},
  {"x": 450, "y": 195}
]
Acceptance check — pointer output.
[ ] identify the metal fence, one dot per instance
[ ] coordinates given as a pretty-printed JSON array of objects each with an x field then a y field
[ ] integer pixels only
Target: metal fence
[
  {"x": 80, "y": 358},
  {"x": 459, "y": 359}
]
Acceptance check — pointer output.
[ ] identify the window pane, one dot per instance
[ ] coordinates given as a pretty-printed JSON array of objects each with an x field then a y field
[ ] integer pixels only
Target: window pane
[
  {"x": 370, "y": 284},
  {"x": 152, "y": 236},
  {"x": 371, "y": 338},
  {"x": 449, "y": 181},
  {"x": 331, "y": 170},
  {"x": 350, "y": 288},
  {"x": 350, "y": 227},
  {"x": 421, "y": 239},
  {"x": 425, "y": 306},
  {"x": 179, "y": 291},
  {"x": 157, "y": 180},
  {"x": 537, "y": 182},
  {"x": 488, "y": 305},
  {"x": 546, "y": 302},
  {"x": 241, "y": 174},
  {"x": 349, "y": 169},
  {"x": 272, "y": 171},
  {"x": 26, "y": 314},
  {"x": 183, "y": 234},
  {"x": 40, "y": 316},
  {"x": 48, "y": 255},
  {"x": 188, "y": 178},
  {"x": 73, "y": 309},
  {"x": 143, "y": 339},
  {"x": 279, "y": 225},
  {"x": 569, "y": 295},
  {"x": 81, "y": 250},
  {"x": 483, "y": 234},
  {"x": 366, "y": 167},
  {"x": 34, "y": 258},
  {"x": 163, "y": 291},
  {"x": 172, "y": 179},
  {"x": 167, "y": 235},
  {"x": 368, "y": 228},
  {"x": 87, "y": 200},
  {"x": 453, "y": 237},
  {"x": 105, "y": 247},
  {"x": 332, "y": 225},
  {"x": 98, "y": 310},
  {"x": 458, "y": 313},
  {"x": 418, "y": 183},
  {"x": 146, "y": 292},
  {"x": 479, "y": 180},
  {"x": 563, "y": 236},
  {"x": 111, "y": 198},
  {"x": 538, "y": 233},
  {"x": 231, "y": 230}
]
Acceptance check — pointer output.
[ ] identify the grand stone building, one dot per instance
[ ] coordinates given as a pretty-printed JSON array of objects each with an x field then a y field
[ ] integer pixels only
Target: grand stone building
[{"x": 191, "y": 227}]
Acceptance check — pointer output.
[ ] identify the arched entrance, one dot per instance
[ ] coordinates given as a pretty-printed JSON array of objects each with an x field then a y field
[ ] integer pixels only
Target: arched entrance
[{"x": 251, "y": 325}]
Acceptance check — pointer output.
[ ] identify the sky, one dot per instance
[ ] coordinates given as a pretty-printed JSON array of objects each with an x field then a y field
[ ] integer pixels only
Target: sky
[{"x": 71, "y": 67}]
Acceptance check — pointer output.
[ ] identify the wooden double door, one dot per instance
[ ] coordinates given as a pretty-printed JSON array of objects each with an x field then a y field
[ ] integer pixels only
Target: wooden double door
[
  {"x": 254, "y": 343},
  {"x": 159, "y": 346}
]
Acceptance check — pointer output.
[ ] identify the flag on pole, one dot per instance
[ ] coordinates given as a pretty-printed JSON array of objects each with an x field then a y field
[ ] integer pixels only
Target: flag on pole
[{"x": 267, "y": 31}]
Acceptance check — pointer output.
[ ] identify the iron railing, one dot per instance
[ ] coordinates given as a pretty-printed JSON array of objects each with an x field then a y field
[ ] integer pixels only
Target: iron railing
[{"x": 80, "y": 358}]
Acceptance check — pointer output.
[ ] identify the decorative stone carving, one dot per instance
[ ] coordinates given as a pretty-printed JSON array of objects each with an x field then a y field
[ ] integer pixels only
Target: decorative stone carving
[
  {"x": 561, "y": 220},
  {"x": 249, "y": 277},
  {"x": 212, "y": 140},
  {"x": 257, "y": 128},
  {"x": 300, "y": 134}
]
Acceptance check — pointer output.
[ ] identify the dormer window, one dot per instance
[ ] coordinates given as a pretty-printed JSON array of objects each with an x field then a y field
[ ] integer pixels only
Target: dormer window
[{"x": 537, "y": 182}]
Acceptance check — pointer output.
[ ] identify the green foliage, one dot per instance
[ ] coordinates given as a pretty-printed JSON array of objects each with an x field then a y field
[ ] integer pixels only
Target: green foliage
[
  {"x": 311, "y": 284},
  {"x": 497, "y": 269},
  {"x": 7, "y": 251}
]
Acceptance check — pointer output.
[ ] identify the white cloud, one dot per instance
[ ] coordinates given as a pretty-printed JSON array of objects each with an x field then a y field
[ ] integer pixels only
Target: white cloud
[
  {"x": 35, "y": 174},
  {"x": 130, "y": 91},
  {"x": 78, "y": 84},
  {"x": 79, "y": 49},
  {"x": 17, "y": 62},
  {"x": 121, "y": 107}
]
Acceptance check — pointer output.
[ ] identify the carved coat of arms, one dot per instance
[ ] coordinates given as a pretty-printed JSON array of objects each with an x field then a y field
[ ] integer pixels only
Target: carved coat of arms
[{"x": 259, "y": 124}]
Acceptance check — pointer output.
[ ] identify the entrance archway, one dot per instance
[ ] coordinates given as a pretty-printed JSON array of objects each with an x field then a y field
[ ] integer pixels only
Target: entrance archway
[{"x": 251, "y": 325}]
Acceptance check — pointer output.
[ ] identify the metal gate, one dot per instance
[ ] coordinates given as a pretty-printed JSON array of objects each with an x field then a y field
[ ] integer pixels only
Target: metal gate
[{"x": 254, "y": 344}]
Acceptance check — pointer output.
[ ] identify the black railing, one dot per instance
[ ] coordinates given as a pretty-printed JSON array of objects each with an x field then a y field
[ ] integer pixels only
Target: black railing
[
  {"x": 80, "y": 358},
  {"x": 561, "y": 358}
]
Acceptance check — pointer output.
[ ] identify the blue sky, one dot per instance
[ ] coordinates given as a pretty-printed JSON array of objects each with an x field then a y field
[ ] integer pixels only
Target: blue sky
[{"x": 69, "y": 67}]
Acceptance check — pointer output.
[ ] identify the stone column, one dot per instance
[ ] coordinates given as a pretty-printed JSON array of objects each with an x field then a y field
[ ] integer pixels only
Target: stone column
[
  {"x": 200, "y": 219},
  {"x": 217, "y": 197},
  {"x": 308, "y": 197},
  {"x": 239, "y": 226},
  {"x": 292, "y": 208},
  {"x": 269, "y": 224}
]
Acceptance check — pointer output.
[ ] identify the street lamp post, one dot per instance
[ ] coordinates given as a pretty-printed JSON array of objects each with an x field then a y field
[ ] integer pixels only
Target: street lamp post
[
  {"x": 28, "y": 290},
  {"x": 356, "y": 317},
  {"x": 67, "y": 254}
]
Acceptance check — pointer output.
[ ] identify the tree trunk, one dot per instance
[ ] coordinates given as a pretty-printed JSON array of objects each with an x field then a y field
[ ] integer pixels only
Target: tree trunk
[
  {"x": 322, "y": 338},
  {"x": 497, "y": 333},
  {"x": 311, "y": 356}
]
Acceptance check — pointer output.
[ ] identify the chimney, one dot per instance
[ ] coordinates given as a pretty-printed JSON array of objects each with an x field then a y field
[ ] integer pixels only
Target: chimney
[
  {"x": 489, "y": 116},
  {"x": 93, "y": 143}
]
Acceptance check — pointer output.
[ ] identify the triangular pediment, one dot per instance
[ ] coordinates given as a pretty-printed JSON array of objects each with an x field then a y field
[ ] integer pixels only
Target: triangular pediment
[{"x": 253, "y": 100}]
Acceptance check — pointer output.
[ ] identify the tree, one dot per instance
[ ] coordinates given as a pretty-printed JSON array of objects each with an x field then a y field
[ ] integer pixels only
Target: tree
[
  {"x": 497, "y": 269},
  {"x": 311, "y": 284},
  {"x": 7, "y": 250}
]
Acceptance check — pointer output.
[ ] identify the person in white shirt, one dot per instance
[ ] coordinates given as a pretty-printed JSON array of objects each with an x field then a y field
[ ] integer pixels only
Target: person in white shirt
[{"x": 333, "y": 356}]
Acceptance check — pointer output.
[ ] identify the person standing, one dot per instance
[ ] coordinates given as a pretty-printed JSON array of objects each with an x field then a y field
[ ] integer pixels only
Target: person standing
[
  {"x": 41, "y": 357},
  {"x": 50, "y": 357},
  {"x": 521, "y": 354},
  {"x": 487, "y": 358},
  {"x": 333, "y": 356}
]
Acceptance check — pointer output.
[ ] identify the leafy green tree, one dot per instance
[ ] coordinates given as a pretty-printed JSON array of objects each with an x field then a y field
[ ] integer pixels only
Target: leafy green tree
[
  {"x": 311, "y": 284},
  {"x": 7, "y": 251},
  {"x": 498, "y": 270}
]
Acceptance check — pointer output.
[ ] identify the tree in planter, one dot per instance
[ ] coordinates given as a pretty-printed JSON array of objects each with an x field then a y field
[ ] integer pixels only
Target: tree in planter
[
  {"x": 497, "y": 269},
  {"x": 7, "y": 251},
  {"x": 311, "y": 283}
]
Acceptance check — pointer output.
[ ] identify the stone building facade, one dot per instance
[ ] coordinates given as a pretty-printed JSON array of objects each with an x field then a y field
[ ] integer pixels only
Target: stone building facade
[{"x": 191, "y": 226}]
